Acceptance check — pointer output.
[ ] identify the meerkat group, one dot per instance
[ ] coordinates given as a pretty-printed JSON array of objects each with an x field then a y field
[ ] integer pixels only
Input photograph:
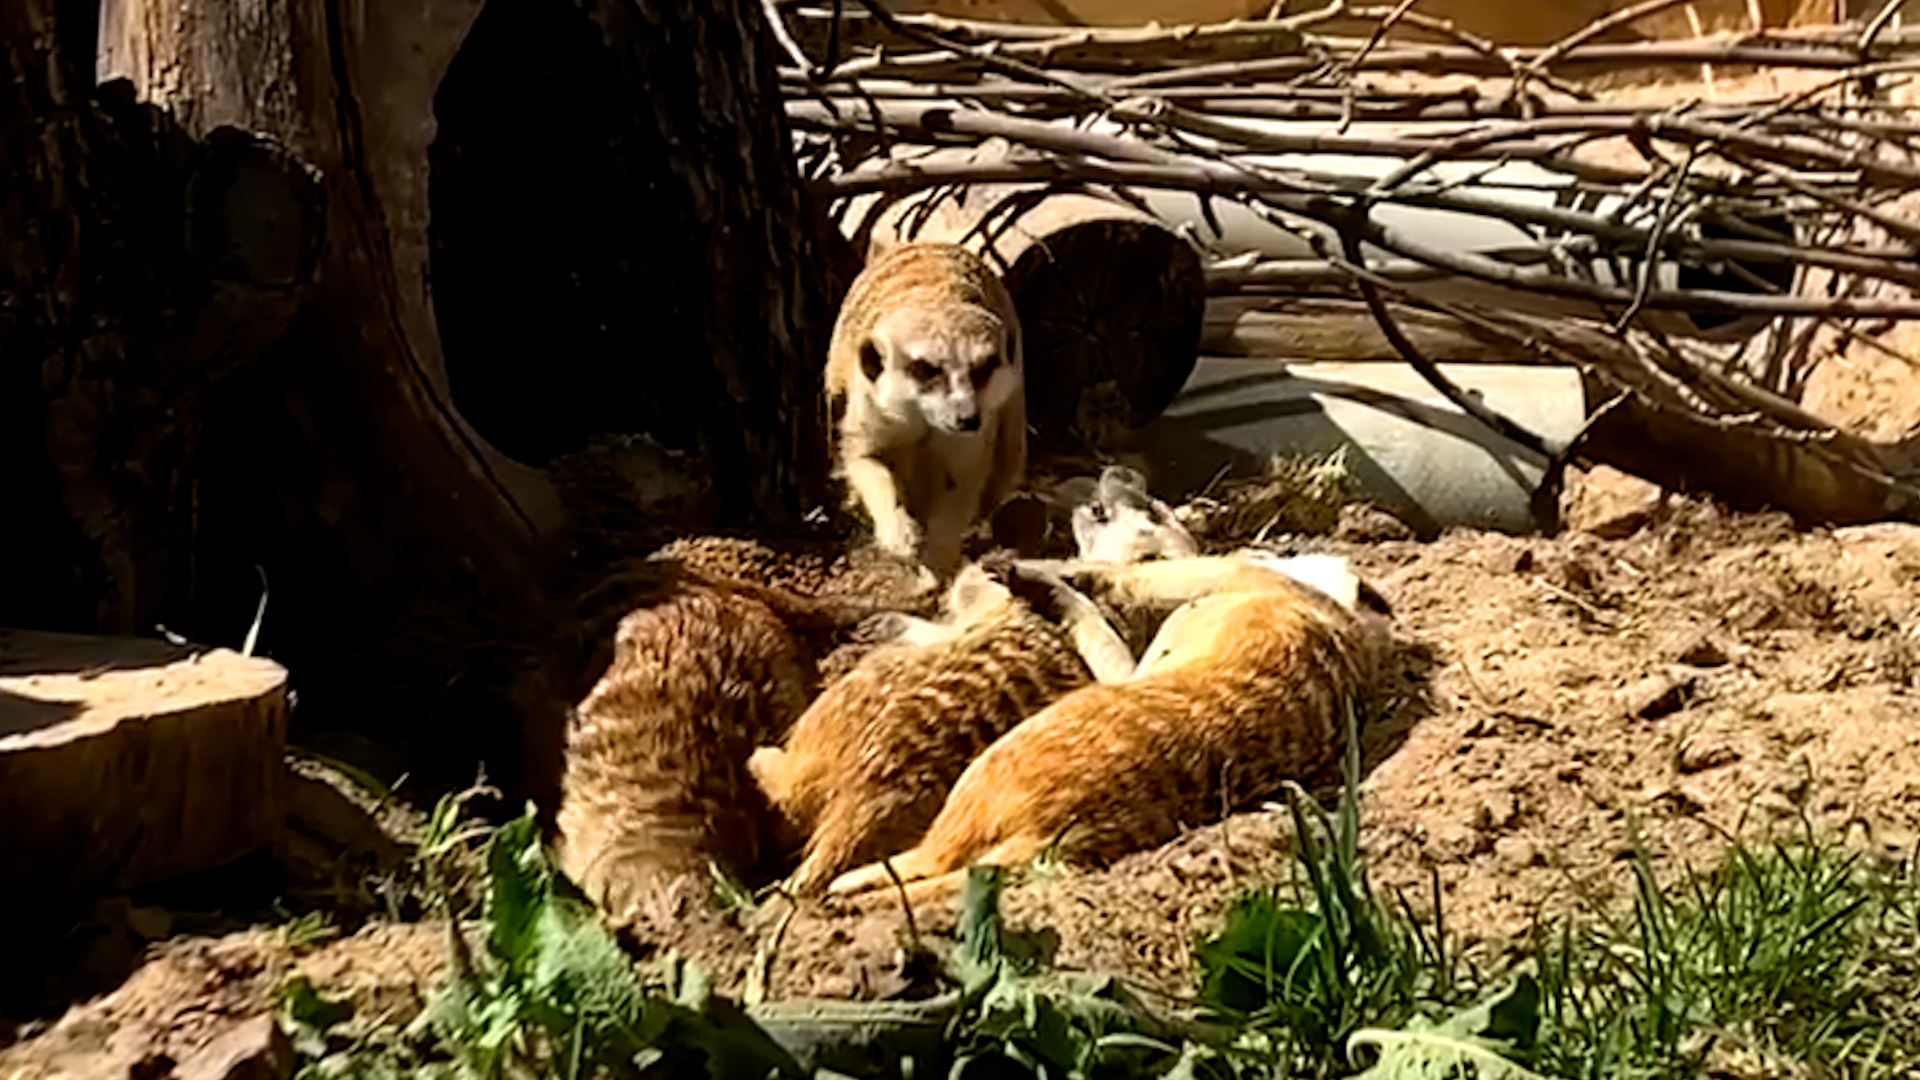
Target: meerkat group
[
  {"x": 866, "y": 766},
  {"x": 1095, "y": 705},
  {"x": 1244, "y": 686}
]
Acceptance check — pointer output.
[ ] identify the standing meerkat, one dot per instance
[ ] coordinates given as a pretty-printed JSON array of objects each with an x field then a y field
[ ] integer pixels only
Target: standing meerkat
[
  {"x": 866, "y": 767},
  {"x": 1244, "y": 686},
  {"x": 654, "y": 784},
  {"x": 926, "y": 396}
]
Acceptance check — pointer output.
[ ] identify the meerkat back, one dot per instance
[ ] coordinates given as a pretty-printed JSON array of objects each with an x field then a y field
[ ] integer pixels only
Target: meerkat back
[
  {"x": 1240, "y": 690},
  {"x": 926, "y": 395},
  {"x": 655, "y": 781},
  {"x": 867, "y": 765}
]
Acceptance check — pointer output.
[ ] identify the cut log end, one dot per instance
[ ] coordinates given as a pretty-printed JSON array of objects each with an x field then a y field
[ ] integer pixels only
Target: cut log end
[
  {"x": 1112, "y": 312},
  {"x": 126, "y": 761}
]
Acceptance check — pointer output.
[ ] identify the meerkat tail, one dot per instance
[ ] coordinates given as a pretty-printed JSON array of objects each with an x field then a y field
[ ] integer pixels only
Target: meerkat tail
[
  {"x": 917, "y": 864},
  {"x": 941, "y": 887},
  {"x": 925, "y": 880}
]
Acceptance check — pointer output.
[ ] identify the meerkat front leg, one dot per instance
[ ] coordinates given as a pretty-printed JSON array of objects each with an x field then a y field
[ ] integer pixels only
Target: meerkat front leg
[
  {"x": 1007, "y": 469},
  {"x": 952, "y": 513},
  {"x": 875, "y": 488},
  {"x": 1100, "y": 646}
]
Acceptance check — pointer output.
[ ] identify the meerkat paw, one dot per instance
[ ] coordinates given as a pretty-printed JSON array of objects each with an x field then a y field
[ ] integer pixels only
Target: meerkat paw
[
  {"x": 768, "y": 767},
  {"x": 898, "y": 535}
]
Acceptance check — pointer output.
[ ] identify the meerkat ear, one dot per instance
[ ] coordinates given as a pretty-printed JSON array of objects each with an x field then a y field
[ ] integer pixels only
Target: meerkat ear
[{"x": 870, "y": 362}]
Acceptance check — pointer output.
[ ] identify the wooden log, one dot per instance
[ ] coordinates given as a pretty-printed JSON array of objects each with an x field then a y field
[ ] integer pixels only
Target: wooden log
[
  {"x": 1820, "y": 475},
  {"x": 1110, "y": 298},
  {"x": 125, "y": 761},
  {"x": 1332, "y": 329}
]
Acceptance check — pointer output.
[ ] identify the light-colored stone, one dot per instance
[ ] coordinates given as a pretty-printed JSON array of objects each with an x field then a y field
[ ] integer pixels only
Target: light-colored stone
[{"x": 1610, "y": 504}]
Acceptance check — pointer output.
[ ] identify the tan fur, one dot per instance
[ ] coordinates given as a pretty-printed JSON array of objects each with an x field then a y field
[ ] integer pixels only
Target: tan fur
[
  {"x": 1244, "y": 686},
  {"x": 921, "y": 482},
  {"x": 655, "y": 780},
  {"x": 867, "y": 765}
]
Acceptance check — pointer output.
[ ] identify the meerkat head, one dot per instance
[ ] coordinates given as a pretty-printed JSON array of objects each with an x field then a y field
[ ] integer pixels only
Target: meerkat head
[
  {"x": 1122, "y": 523},
  {"x": 948, "y": 368}
]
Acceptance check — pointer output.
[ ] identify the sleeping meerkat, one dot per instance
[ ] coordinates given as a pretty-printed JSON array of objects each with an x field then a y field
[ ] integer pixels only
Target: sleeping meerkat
[
  {"x": 1244, "y": 686},
  {"x": 866, "y": 766},
  {"x": 927, "y": 400},
  {"x": 654, "y": 784}
]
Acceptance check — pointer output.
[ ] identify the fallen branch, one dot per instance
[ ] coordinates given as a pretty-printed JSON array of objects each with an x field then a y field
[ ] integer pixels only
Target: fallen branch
[{"x": 1734, "y": 218}]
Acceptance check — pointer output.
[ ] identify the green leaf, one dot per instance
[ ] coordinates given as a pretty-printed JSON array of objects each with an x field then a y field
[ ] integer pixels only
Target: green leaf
[
  {"x": 977, "y": 957},
  {"x": 1433, "y": 1054},
  {"x": 1253, "y": 959},
  {"x": 307, "y": 1007}
]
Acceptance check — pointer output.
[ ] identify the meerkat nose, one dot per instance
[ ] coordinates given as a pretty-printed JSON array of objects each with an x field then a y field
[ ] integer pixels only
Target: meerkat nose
[{"x": 969, "y": 422}]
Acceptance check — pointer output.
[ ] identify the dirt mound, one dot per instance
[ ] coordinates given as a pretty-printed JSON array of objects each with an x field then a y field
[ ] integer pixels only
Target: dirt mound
[
  {"x": 1707, "y": 675},
  {"x": 1701, "y": 676}
]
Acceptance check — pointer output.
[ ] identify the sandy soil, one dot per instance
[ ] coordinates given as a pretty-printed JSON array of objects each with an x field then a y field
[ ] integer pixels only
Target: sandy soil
[{"x": 1701, "y": 676}]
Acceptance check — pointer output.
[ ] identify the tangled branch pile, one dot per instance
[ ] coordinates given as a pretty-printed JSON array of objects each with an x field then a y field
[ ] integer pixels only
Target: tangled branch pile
[{"x": 1696, "y": 260}]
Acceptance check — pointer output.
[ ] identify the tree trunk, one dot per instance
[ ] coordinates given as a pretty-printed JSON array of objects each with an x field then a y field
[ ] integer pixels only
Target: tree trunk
[
  {"x": 624, "y": 250},
  {"x": 141, "y": 267}
]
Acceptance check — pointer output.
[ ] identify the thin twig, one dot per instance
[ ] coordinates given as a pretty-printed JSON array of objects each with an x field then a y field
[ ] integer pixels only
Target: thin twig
[
  {"x": 906, "y": 906},
  {"x": 1878, "y": 23},
  {"x": 1598, "y": 27},
  {"x": 1511, "y": 429},
  {"x": 1650, "y": 258},
  {"x": 784, "y": 37}
]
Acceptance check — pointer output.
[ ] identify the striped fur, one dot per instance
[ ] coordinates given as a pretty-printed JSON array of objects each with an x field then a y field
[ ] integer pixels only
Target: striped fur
[
  {"x": 868, "y": 764},
  {"x": 655, "y": 781},
  {"x": 1245, "y": 686}
]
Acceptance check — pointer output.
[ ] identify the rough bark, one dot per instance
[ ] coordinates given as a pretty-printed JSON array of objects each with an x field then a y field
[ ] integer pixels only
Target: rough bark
[{"x": 141, "y": 266}]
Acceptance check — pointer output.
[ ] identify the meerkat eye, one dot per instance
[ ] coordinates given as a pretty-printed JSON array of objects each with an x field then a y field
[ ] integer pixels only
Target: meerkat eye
[
  {"x": 985, "y": 371},
  {"x": 922, "y": 371},
  {"x": 870, "y": 363}
]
